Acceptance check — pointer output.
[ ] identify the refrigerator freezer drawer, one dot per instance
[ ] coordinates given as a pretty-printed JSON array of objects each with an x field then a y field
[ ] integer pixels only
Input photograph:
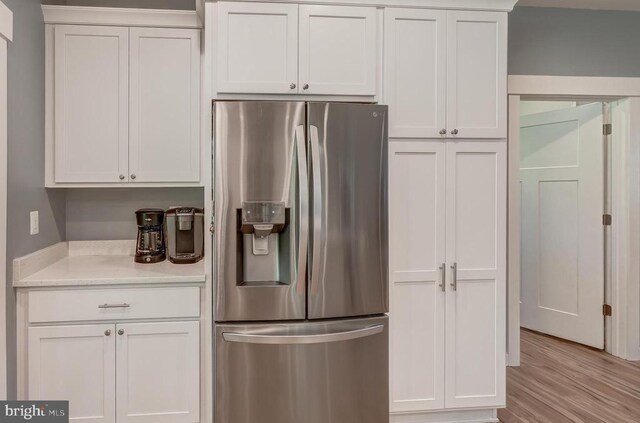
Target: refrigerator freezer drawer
[{"x": 307, "y": 372}]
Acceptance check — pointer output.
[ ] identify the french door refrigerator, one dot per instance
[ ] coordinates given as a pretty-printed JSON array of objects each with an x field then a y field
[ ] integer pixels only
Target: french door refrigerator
[{"x": 300, "y": 262}]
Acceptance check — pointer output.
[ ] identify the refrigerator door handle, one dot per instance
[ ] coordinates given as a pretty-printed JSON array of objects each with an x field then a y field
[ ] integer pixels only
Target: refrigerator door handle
[
  {"x": 317, "y": 209},
  {"x": 262, "y": 338},
  {"x": 303, "y": 183}
]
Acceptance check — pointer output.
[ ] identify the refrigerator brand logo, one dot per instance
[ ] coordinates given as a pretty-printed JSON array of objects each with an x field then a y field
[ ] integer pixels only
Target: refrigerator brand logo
[{"x": 34, "y": 411}]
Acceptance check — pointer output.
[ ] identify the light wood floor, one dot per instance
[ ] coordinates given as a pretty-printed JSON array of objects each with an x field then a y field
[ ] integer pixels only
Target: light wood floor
[{"x": 559, "y": 381}]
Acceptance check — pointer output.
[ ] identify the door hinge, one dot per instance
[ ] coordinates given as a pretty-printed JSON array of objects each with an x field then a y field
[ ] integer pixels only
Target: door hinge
[
  {"x": 606, "y": 310},
  {"x": 606, "y": 219},
  {"x": 606, "y": 129}
]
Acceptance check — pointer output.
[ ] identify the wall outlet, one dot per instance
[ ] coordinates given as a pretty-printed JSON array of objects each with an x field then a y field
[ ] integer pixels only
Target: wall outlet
[{"x": 34, "y": 223}]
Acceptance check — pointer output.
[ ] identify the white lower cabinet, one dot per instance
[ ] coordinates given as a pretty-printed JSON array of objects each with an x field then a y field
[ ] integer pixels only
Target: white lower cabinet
[
  {"x": 158, "y": 372},
  {"x": 75, "y": 363},
  {"x": 124, "y": 370},
  {"x": 125, "y": 373},
  {"x": 448, "y": 275}
]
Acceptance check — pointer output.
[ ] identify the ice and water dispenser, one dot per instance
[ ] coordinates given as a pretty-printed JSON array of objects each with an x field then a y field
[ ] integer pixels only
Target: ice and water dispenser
[{"x": 265, "y": 240}]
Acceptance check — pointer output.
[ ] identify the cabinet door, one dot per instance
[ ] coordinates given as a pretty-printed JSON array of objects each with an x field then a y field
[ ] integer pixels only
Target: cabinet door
[
  {"x": 476, "y": 298},
  {"x": 75, "y": 363},
  {"x": 91, "y": 65},
  {"x": 158, "y": 372},
  {"x": 337, "y": 50},
  {"x": 415, "y": 72},
  {"x": 257, "y": 48},
  {"x": 417, "y": 296},
  {"x": 164, "y": 136},
  {"x": 477, "y": 74}
]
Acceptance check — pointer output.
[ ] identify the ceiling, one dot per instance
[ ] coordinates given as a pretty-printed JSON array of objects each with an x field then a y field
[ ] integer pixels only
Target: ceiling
[{"x": 585, "y": 4}]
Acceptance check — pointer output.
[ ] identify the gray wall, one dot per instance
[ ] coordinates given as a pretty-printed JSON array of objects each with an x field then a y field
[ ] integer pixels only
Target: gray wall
[
  {"x": 109, "y": 213},
  {"x": 571, "y": 42},
  {"x": 25, "y": 190}
]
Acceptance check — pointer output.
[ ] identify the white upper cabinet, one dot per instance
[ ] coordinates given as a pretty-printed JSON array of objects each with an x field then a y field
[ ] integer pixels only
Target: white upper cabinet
[
  {"x": 477, "y": 74},
  {"x": 446, "y": 73},
  {"x": 164, "y": 137},
  {"x": 279, "y": 48},
  {"x": 415, "y": 72},
  {"x": 125, "y": 107},
  {"x": 257, "y": 48},
  {"x": 337, "y": 50},
  {"x": 91, "y": 103}
]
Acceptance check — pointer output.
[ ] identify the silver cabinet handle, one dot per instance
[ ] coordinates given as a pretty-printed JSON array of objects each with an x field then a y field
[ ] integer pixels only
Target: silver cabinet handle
[
  {"x": 443, "y": 277},
  {"x": 121, "y": 177},
  {"x": 120, "y": 331},
  {"x": 123, "y": 305},
  {"x": 257, "y": 338},
  {"x": 317, "y": 210},
  {"x": 133, "y": 176},
  {"x": 107, "y": 332},
  {"x": 443, "y": 132},
  {"x": 292, "y": 86},
  {"x": 303, "y": 240},
  {"x": 305, "y": 87},
  {"x": 454, "y": 132},
  {"x": 454, "y": 276}
]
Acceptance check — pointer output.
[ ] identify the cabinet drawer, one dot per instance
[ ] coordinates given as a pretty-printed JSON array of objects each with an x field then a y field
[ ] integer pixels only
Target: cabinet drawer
[{"x": 113, "y": 304}]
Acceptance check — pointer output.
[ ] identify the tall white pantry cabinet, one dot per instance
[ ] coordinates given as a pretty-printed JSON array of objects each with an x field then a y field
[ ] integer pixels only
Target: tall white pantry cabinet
[{"x": 445, "y": 81}]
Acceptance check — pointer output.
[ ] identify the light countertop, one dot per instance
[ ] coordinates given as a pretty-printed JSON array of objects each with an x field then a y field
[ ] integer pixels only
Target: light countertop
[{"x": 79, "y": 263}]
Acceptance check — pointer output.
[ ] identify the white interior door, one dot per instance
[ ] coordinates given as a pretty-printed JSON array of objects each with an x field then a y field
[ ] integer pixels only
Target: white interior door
[
  {"x": 417, "y": 296},
  {"x": 257, "y": 48},
  {"x": 415, "y": 72},
  {"x": 75, "y": 364},
  {"x": 164, "y": 136},
  {"x": 562, "y": 241},
  {"x": 337, "y": 50},
  {"x": 475, "y": 327},
  {"x": 158, "y": 372}
]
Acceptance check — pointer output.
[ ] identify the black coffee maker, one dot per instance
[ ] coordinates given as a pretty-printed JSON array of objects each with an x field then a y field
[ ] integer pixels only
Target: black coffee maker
[{"x": 150, "y": 247}]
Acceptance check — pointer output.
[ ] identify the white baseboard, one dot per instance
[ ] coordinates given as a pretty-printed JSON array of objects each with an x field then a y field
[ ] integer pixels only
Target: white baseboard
[{"x": 441, "y": 416}]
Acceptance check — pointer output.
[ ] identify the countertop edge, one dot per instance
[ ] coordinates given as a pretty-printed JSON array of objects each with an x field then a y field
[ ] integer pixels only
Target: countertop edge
[
  {"x": 187, "y": 280},
  {"x": 27, "y": 268}
]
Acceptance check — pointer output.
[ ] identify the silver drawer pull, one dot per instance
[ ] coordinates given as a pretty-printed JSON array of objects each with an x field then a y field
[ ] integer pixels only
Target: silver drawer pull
[{"x": 123, "y": 305}]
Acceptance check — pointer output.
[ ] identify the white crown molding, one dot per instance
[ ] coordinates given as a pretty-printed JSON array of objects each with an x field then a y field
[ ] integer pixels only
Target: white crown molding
[
  {"x": 6, "y": 22},
  {"x": 628, "y": 5},
  {"x": 577, "y": 86},
  {"x": 112, "y": 16},
  {"x": 493, "y": 5}
]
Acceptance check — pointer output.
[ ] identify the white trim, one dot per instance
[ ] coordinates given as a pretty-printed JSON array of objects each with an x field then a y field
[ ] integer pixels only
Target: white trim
[
  {"x": 513, "y": 236},
  {"x": 6, "y": 22},
  {"x": 488, "y": 5},
  {"x": 112, "y": 16},
  {"x": 573, "y": 86},
  {"x": 475, "y": 415},
  {"x": 625, "y": 236},
  {"x": 206, "y": 84},
  {"x": 629, "y": 296},
  {"x": 6, "y": 34}
]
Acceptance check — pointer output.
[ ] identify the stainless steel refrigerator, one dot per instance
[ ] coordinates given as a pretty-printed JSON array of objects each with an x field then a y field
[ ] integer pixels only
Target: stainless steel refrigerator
[{"x": 300, "y": 262}]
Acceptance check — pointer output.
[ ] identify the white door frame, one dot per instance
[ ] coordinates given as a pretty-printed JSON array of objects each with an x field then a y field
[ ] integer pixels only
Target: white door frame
[
  {"x": 6, "y": 35},
  {"x": 623, "y": 328}
]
